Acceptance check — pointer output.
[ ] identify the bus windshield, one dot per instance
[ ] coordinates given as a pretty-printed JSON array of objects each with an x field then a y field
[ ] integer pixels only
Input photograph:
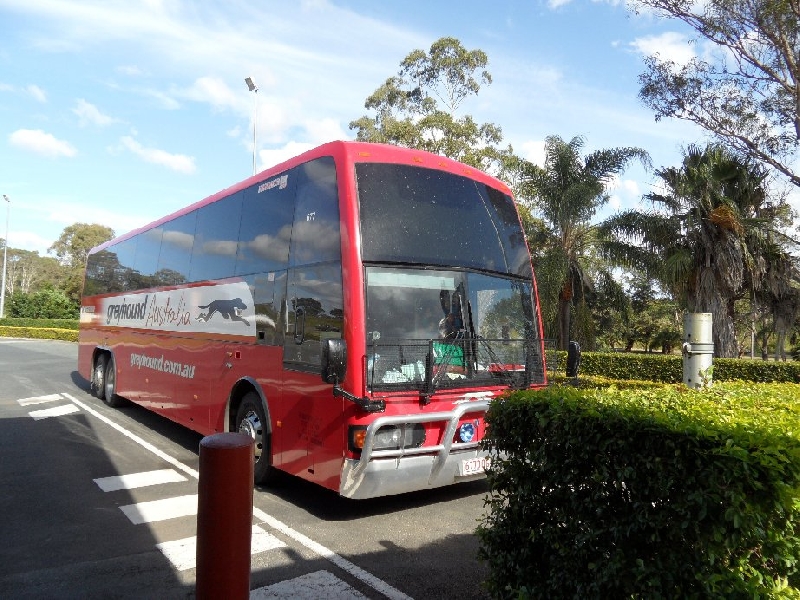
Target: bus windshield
[
  {"x": 445, "y": 328},
  {"x": 428, "y": 217}
]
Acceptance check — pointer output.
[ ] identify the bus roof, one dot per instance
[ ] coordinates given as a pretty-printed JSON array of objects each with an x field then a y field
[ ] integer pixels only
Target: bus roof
[{"x": 347, "y": 151}]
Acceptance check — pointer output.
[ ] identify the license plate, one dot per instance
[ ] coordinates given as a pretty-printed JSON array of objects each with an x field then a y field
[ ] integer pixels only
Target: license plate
[{"x": 474, "y": 466}]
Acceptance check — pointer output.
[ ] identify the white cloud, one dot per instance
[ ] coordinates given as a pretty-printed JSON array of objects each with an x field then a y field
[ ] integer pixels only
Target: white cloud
[
  {"x": 89, "y": 114},
  {"x": 668, "y": 46},
  {"x": 214, "y": 91},
  {"x": 130, "y": 70},
  {"x": 176, "y": 162},
  {"x": 274, "y": 156},
  {"x": 37, "y": 93},
  {"x": 533, "y": 151},
  {"x": 36, "y": 140},
  {"x": 320, "y": 131}
]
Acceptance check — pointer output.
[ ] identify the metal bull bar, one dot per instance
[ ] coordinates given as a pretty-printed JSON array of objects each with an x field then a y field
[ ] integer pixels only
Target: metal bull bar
[{"x": 442, "y": 450}]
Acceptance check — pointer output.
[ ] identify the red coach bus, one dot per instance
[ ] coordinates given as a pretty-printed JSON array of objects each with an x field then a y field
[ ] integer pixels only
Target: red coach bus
[{"x": 354, "y": 310}]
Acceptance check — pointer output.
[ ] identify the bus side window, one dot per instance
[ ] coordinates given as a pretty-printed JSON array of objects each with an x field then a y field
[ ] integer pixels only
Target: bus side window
[
  {"x": 315, "y": 233},
  {"x": 269, "y": 291},
  {"x": 315, "y": 304}
]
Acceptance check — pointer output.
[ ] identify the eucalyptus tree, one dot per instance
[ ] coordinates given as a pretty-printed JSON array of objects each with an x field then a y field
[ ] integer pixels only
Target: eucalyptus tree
[
  {"x": 707, "y": 238},
  {"x": 71, "y": 249},
  {"x": 566, "y": 193},
  {"x": 744, "y": 86},
  {"x": 419, "y": 107}
]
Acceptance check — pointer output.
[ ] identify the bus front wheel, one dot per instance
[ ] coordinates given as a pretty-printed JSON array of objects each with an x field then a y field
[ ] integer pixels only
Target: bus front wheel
[{"x": 251, "y": 420}]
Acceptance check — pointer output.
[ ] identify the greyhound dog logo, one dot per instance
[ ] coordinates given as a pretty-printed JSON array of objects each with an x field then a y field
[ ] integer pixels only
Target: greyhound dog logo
[{"x": 229, "y": 309}]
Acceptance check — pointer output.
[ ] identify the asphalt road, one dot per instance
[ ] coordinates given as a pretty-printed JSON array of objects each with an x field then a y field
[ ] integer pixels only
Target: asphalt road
[{"x": 76, "y": 523}]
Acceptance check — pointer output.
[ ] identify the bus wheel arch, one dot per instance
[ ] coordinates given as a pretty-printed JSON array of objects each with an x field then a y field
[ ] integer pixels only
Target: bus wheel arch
[{"x": 249, "y": 414}]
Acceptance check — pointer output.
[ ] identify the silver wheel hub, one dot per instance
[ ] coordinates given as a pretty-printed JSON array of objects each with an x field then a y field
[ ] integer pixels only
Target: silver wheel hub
[{"x": 251, "y": 425}]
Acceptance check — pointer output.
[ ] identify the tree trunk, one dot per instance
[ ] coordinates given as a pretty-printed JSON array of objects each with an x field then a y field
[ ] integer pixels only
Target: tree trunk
[
  {"x": 563, "y": 323},
  {"x": 709, "y": 299}
]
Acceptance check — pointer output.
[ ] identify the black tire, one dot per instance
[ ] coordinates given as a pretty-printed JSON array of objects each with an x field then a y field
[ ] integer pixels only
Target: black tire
[
  {"x": 99, "y": 377},
  {"x": 110, "y": 384},
  {"x": 251, "y": 420}
]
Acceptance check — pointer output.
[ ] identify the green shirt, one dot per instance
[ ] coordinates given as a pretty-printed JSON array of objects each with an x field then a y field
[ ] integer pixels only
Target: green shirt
[{"x": 445, "y": 353}]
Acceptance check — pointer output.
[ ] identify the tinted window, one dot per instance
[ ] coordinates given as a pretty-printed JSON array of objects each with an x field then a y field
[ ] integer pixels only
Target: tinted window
[
  {"x": 100, "y": 269},
  {"x": 315, "y": 235},
  {"x": 216, "y": 239},
  {"x": 176, "y": 250},
  {"x": 268, "y": 209},
  {"x": 315, "y": 312},
  {"x": 269, "y": 295},
  {"x": 417, "y": 215},
  {"x": 146, "y": 261}
]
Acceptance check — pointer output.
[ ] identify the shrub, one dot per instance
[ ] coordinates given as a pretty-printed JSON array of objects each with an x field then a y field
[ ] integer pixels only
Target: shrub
[
  {"x": 44, "y": 304},
  {"x": 647, "y": 493}
]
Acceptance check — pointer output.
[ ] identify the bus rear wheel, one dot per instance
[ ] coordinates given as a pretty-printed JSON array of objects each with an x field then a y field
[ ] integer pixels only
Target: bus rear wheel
[
  {"x": 251, "y": 420},
  {"x": 99, "y": 377},
  {"x": 110, "y": 385}
]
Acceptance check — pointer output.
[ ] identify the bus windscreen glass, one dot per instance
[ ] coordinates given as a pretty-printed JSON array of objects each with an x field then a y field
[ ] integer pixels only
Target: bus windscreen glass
[{"x": 424, "y": 216}]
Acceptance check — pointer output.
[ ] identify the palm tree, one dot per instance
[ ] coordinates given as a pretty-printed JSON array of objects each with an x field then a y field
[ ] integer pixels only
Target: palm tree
[
  {"x": 566, "y": 193},
  {"x": 709, "y": 238}
]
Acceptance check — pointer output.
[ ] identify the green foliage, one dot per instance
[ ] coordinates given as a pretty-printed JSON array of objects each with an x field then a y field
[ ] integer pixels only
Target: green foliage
[
  {"x": 76, "y": 240},
  {"x": 668, "y": 368},
  {"x": 417, "y": 107},
  {"x": 650, "y": 493},
  {"x": 41, "y": 333},
  {"x": 44, "y": 304},
  {"x": 73, "y": 324},
  {"x": 742, "y": 89},
  {"x": 566, "y": 193}
]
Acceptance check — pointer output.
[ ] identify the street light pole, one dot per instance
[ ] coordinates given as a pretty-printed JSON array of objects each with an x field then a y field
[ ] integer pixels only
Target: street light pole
[
  {"x": 5, "y": 260},
  {"x": 253, "y": 88}
]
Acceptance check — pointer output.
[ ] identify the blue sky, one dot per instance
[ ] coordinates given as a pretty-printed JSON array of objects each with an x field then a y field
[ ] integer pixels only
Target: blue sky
[{"x": 118, "y": 112}]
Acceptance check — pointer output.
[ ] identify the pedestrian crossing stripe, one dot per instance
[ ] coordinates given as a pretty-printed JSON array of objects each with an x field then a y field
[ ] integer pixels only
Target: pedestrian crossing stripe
[
  {"x": 46, "y": 413},
  {"x": 56, "y": 411},
  {"x": 139, "y": 480},
  {"x": 312, "y": 586},
  {"x": 183, "y": 553}
]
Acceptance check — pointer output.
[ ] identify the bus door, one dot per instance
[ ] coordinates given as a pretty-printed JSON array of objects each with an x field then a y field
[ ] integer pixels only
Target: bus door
[
  {"x": 311, "y": 437},
  {"x": 312, "y": 443}
]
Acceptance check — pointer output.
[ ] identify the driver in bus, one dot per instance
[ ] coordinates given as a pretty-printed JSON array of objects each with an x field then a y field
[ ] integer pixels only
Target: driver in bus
[{"x": 448, "y": 352}]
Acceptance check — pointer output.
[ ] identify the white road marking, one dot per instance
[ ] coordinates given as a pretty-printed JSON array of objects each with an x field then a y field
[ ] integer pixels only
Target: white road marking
[
  {"x": 161, "y": 510},
  {"x": 132, "y": 436},
  {"x": 344, "y": 564},
  {"x": 313, "y": 586},
  {"x": 138, "y": 480},
  {"x": 40, "y": 399},
  {"x": 56, "y": 411},
  {"x": 183, "y": 553},
  {"x": 368, "y": 578}
]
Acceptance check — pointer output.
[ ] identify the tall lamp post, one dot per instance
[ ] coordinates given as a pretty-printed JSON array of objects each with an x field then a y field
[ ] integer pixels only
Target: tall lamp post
[
  {"x": 5, "y": 260},
  {"x": 253, "y": 88}
]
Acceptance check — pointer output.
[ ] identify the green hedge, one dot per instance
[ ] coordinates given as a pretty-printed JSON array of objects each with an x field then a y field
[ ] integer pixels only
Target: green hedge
[
  {"x": 43, "y": 329},
  {"x": 650, "y": 493},
  {"x": 41, "y": 333},
  {"x": 668, "y": 368},
  {"x": 51, "y": 323}
]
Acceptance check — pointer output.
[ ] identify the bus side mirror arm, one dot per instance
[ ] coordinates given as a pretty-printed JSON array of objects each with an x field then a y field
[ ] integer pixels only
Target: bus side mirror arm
[
  {"x": 333, "y": 368},
  {"x": 365, "y": 404}
]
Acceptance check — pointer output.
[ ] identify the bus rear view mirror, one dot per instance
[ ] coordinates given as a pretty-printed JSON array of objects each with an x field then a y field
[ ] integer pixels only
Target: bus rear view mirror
[{"x": 334, "y": 360}]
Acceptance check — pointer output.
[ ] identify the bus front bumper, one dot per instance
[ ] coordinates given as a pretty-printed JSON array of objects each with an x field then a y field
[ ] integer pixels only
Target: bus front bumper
[{"x": 383, "y": 473}]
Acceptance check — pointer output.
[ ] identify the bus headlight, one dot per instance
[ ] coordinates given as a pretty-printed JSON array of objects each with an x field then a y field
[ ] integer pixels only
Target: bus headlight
[
  {"x": 466, "y": 432},
  {"x": 388, "y": 437}
]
